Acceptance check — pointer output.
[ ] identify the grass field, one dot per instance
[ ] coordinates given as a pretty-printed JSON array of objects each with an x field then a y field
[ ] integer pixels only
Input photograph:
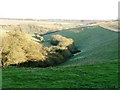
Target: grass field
[
  {"x": 99, "y": 76},
  {"x": 97, "y": 45},
  {"x": 95, "y": 66}
]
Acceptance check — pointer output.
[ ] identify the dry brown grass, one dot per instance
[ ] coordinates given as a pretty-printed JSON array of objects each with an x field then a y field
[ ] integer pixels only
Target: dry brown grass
[
  {"x": 65, "y": 46},
  {"x": 17, "y": 48},
  {"x": 62, "y": 41},
  {"x": 40, "y": 26}
]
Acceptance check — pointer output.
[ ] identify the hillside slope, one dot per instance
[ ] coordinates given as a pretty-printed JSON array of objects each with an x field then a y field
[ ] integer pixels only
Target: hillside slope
[{"x": 97, "y": 45}]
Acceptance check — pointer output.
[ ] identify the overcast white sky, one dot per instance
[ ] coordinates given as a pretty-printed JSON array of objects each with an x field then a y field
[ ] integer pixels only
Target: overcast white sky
[{"x": 59, "y": 9}]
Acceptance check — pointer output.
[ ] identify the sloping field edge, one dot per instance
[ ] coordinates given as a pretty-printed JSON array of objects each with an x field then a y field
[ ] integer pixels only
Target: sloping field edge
[{"x": 105, "y": 27}]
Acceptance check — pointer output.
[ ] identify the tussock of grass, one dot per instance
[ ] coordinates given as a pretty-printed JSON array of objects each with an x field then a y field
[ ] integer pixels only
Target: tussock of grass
[{"x": 61, "y": 41}]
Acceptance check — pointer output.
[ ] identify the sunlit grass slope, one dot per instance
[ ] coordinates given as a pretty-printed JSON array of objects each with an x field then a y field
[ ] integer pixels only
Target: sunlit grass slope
[{"x": 97, "y": 45}]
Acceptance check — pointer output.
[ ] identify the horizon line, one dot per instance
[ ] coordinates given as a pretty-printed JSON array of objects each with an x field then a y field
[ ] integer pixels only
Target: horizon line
[{"x": 52, "y": 19}]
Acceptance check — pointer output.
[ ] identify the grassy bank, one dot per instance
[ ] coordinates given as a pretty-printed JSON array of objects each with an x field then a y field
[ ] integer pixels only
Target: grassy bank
[
  {"x": 97, "y": 45},
  {"x": 99, "y": 76}
]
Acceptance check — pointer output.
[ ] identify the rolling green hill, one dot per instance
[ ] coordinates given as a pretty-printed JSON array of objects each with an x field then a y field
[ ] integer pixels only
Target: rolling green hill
[
  {"x": 97, "y": 45},
  {"x": 99, "y": 49}
]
